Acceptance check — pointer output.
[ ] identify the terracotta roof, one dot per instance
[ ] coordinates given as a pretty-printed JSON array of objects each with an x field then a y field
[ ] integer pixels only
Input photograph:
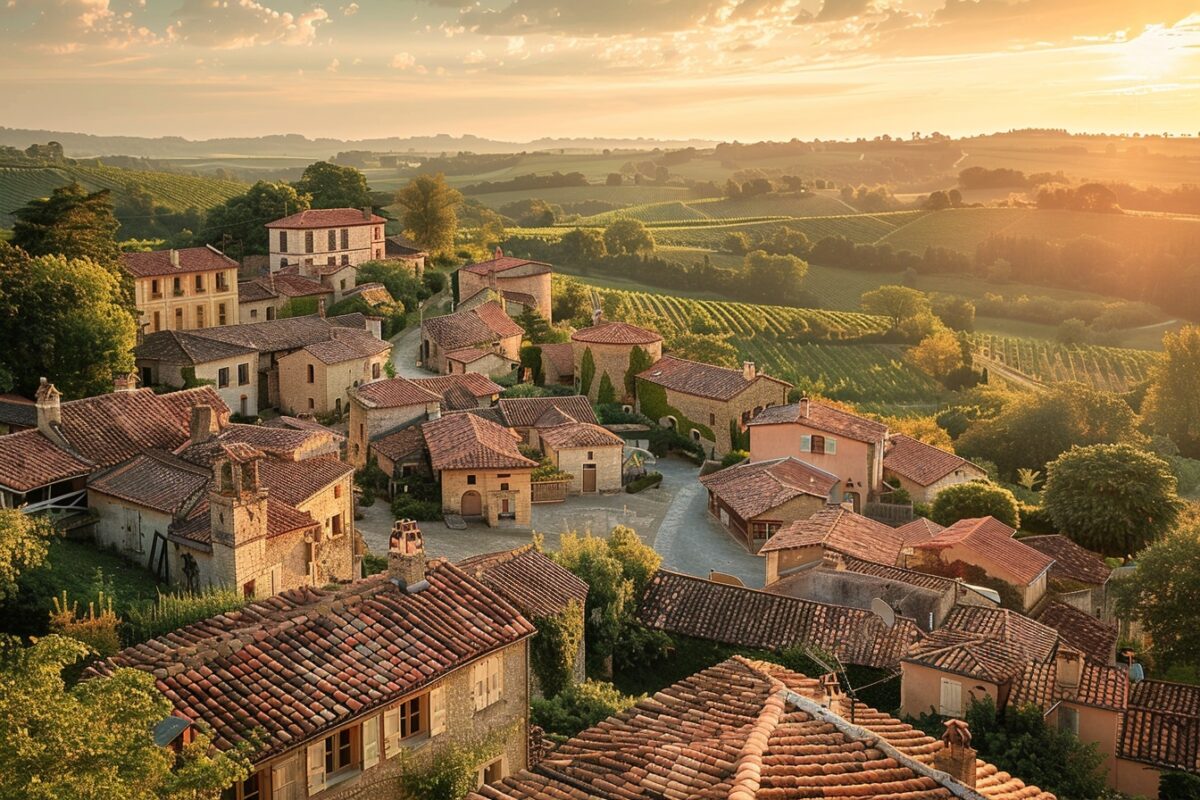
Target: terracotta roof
[
  {"x": 373, "y": 293},
  {"x": 399, "y": 247},
  {"x": 291, "y": 333},
  {"x": 523, "y": 298},
  {"x": 561, "y": 356},
  {"x": 467, "y": 355},
  {"x": 1095, "y": 638},
  {"x": 701, "y": 380},
  {"x": 921, "y": 463},
  {"x": 735, "y": 615},
  {"x": 301, "y": 424},
  {"x": 835, "y": 528},
  {"x": 191, "y": 259},
  {"x": 1071, "y": 562},
  {"x": 102, "y": 431},
  {"x": 196, "y": 530},
  {"x": 347, "y": 344},
  {"x": 154, "y": 480},
  {"x": 17, "y": 411},
  {"x": 757, "y": 487},
  {"x": 327, "y": 218},
  {"x": 524, "y": 412},
  {"x": 461, "y": 391},
  {"x": 824, "y": 418},
  {"x": 578, "y": 434},
  {"x": 991, "y": 644},
  {"x": 305, "y": 661},
  {"x": 990, "y": 536},
  {"x": 615, "y": 333},
  {"x": 467, "y": 441},
  {"x": 1099, "y": 686},
  {"x": 922, "y": 580},
  {"x": 478, "y": 325},
  {"x": 533, "y": 583},
  {"x": 281, "y": 443},
  {"x": 921, "y": 529},
  {"x": 400, "y": 444},
  {"x": 279, "y": 284},
  {"x": 505, "y": 263},
  {"x": 746, "y": 729},
  {"x": 183, "y": 347},
  {"x": 1162, "y": 725},
  {"x": 294, "y": 482},
  {"x": 393, "y": 393}
]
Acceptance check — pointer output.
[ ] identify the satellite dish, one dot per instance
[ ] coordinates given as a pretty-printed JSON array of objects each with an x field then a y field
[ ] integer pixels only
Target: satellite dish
[{"x": 882, "y": 610}]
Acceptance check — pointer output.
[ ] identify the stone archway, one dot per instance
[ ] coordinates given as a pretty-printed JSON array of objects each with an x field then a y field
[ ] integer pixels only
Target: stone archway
[{"x": 472, "y": 504}]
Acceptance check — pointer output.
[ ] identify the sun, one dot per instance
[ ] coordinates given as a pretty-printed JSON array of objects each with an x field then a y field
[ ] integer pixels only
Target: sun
[{"x": 1154, "y": 54}]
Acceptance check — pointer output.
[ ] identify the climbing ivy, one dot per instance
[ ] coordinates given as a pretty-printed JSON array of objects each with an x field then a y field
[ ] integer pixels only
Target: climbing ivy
[
  {"x": 556, "y": 647},
  {"x": 652, "y": 399},
  {"x": 738, "y": 439},
  {"x": 639, "y": 362}
]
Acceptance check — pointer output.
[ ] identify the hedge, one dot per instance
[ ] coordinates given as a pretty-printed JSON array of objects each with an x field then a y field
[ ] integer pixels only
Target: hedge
[{"x": 644, "y": 482}]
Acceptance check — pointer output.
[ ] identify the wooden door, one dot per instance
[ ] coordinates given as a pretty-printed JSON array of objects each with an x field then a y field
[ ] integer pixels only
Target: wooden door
[
  {"x": 589, "y": 477},
  {"x": 472, "y": 504}
]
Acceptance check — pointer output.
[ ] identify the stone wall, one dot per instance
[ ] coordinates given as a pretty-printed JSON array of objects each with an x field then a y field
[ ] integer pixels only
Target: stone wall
[
  {"x": 365, "y": 244},
  {"x": 367, "y": 423},
  {"x": 607, "y": 461},
  {"x": 128, "y": 528},
  {"x": 706, "y": 420},
  {"x": 517, "y": 279},
  {"x": 489, "y": 484},
  {"x": 927, "y": 494},
  {"x": 613, "y": 359},
  {"x": 330, "y": 390}
]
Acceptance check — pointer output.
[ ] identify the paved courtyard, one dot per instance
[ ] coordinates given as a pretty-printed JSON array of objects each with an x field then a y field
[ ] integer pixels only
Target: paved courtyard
[{"x": 672, "y": 518}]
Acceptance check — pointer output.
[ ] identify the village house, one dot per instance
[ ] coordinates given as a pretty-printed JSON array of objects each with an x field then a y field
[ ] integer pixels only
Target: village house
[
  {"x": 608, "y": 348},
  {"x": 181, "y": 358},
  {"x": 319, "y": 377},
  {"x": 17, "y": 413},
  {"x": 1078, "y": 576},
  {"x": 920, "y": 529},
  {"x": 396, "y": 248},
  {"x": 923, "y": 470},
  {"x": 457, "y": 340},
  {"x": 805, "y": 543},
  {"x": 987, "y": 544},
  {"x": 521, "y": 283},
  {"x": 263, "y": 298},
  {"x": 536, "y": 586},
  {"x": 843, "y": 444},
  {"x": 400, "y": 454},
  {"x": 522, "y": 413},
  {"x": 590, "y": 454},
  {"x": 481, "y": 471},
  {"x": 754, "y": 500},
  {"x": 322, "y": 238},
  {"x": 415, "y": 660},
  {"x": 558, "y": 364},
  {"x": 744, "y": 729},
  {"x": 1158, "y": 735},
  {"x": 462, "y": 392},
  {"x": 1094, "y": 638},
  {"x": 178, "y": 290},
  {"x": 709, "y": 404}
]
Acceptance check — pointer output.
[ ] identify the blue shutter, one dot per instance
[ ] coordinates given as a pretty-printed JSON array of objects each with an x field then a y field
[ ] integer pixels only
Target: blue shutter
[{"x": 805, "y": 444}]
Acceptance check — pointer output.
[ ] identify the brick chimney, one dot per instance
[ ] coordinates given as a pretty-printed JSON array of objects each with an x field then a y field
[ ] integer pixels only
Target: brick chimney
[
  {"x": 125, "y": 382},
  {"x": 804, "y": 407},
  {"x": 499, "y": 252},
  {"x": 174, "y": 257},
  {"x": 200, "y": 425},
  {"x": 406, "y": 556},
  {"x": 49, "y": 409},
  {"x": 1068, "y": 669},
  {"x": 957, "y": 757},
  {"x": 749, "y": 372},
  {"x": 366, "y": 212},
  {"x": 831, "y": 693}
]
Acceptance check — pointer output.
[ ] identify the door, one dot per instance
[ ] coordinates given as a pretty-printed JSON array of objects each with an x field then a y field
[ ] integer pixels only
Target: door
[
  {"x": 472, "y": 504},
  {"x": 589, "y": 477}
]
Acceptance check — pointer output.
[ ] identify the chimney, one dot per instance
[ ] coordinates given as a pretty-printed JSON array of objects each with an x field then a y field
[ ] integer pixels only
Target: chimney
[
  {"x": 200, "y": 425},
  {"x": 1068, "y": 669},
  {"x": 321, "y": 307},
  {"x": 831, "y": 693},
  {"x": 499, "y": 252},
  {"x": 804, "y": 406},
  {"x": 957, "y": 757},
  {"x": 49, "y": 409},
  {"x": 406, "y": 556},
  {"x": 748, "y": 370},
  {"x": 125, "y": 382},
  {"x": 375, "y": 326},
  {"x": 366, "y": 212},
  {"x": 174, "y": 257}
]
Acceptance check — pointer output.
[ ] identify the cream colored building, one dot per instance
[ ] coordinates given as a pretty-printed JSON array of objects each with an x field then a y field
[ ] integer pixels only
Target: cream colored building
[
  {"x": 592, "y": 455},
  {"x": 520, "y": 282},
  {"x": 326, "y": 237},
  {"x": 482, "y": 472},
  {"x": 611, "y": 347},
  {"x": 923, "y": 470},
  {"x": 174, "y": 358},
  {"x": 486, "y": 328},
  {"x": 318, "y": 378},
  {"x": 180, "y": 290}
]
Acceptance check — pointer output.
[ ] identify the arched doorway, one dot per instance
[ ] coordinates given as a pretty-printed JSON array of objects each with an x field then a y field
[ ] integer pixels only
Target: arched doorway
[{"x": 472, "y": 504}]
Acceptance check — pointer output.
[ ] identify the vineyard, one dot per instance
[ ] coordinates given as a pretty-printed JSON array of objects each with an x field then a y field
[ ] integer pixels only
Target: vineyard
[{"x": 1112, "y": 369}]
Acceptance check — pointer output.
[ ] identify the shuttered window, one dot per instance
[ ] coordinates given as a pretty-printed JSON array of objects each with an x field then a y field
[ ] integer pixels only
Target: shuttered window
[
  {"x": 316, "y": 767},
  {"x": 805, "y": 444},
  {"x": 370, "y": 740},
  {"x": 437, "y": 711},
  {"x": 285, "y": 780},
  {"x": 488, "y": 681},
  {"x": 950, "y": 704}
]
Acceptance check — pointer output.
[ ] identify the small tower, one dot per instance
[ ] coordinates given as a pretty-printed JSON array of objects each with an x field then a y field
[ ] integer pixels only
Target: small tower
[
  {"x": 406, "y": 556},
  {"x": 238, "y": 519}
]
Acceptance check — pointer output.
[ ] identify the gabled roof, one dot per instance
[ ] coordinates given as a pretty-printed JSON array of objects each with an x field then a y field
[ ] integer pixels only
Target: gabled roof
[
  {"x": 373, "y": 294},
  {"x": 505, "y": 263},
  {"x": 921, "y": 463},
  {"x": 534, "y": 584},
  {"x": 195, "y": 531},
  {"x": 183, "y": 347},
  {"x": 992, "y": 644},
  {"x": 991, "y": 537},
  {"x": 467, "y": 355},
  {"x": 701, "y": 380},
  {"x": 1071, "y": 562},
  {"x": 823, "y": 418},
  {"x": 398, "y": 246},
  {"x": 290, "y": 333},
  {"x": 347, "y": 344},
  {"x": 922, "y": 580},
  {"x": 755, "y": 488},
  {"x": 1100, "y": 686},
  {"x": 1094, "y": 638},
  {"x": 461, "y": 391},
  {"x": 17, "y": 411},
  {"x": 1162, "y": 726},
  {"x": 524, "y": 412},
  {"x": 327, "y": 218},
  {"x": 561, "y": 356},
  {"x": 400, "y": 444},
  {"x": 289, "y": 444},
  {"x": 735, "y": 615},
  {"x": 156, "y": 480},
  {"x": 279, "y": 284},
  {"x": 467, "y": 441},
  {"x": 921, "y": 529},
  {"x": 190, "y": 259},
  {"x": 307, "y": 660},
  {"x": 836, "y": 528},
  {"x": 615, "y": 333},
  {"x": 394, "y": 393},
  {"x": 577, "y": 434},
  {"x": 479, "y": 325}
]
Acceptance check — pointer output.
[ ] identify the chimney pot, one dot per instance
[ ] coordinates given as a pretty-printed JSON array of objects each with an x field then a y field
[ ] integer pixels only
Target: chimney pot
[
  {"x": 406, "y": 556},
  {"x": 804, "y": 406},
  {"x": 200, "y": 425},
  {"x": 125, "y": 382},
  {"x": 499, "y": 252},
  {"x": 1068, "y": 668},
  {"x": 366, "y": 212},
  {"x": 957, "y": 757},
  {"x": 174, "y": 257},
  {"x": 49, "y": 408},
  {"x": 321, "y": 307},
  {"x": 748, "y": 370}
]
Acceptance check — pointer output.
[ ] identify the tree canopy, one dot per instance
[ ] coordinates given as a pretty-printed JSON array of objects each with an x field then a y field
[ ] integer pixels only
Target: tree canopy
[
  {"x": 236, "y": 226},
  {"x": 71, "y": 222},
  {"x": 334, "y": 186},
  {"x": 430, "y": 212},
  {"x": 24, "y": 543},
  {"x": 938, "y": 354},
  {"x": 777, "y": 279},
  {"x": 581, "y": 245},
  {"x": 628, "y": 236},
  {"x": 897, "y": 303},
  {"x": 976, "y": 499},
  {"x": 1172, "y": 402},
  {"x": 1163, "y": 593}
]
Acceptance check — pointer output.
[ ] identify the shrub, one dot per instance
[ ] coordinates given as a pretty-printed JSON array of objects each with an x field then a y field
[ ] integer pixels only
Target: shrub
[
  {"x": 734, "y": 457},
  {"x": 373, "y": 564},
  {"x": 556, "y": 647},
  {"x": 1036, "y": 519},
  {"x": 97, "y": 628},
  {"x": 976, "y": 499},
  {"x": 171, "y": 611},
  {"x": 450, "y": 773},
  {"x": 405, "y": 506},
  {"x": 645, "y": 482},
  {"x": 579, "y": 706}
]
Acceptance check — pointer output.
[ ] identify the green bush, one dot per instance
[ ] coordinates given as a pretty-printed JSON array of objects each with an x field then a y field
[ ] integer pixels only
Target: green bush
[
  {"x": 1179, "y": 786},
  {"x": 976, "y": 499},
  {"x": 578, "y": 707},
  {"x": 645, "y": 482},
  {"x": 1036, "y": 519},
  {"x": 406, "y": 506},
  {"x": 168, "y": 612},
  {"x": 555, "y": 649},
  {"x": 734, "y": 457},
  {"x": 373, "y": 564},
  {"x": 449, "y": 774}
]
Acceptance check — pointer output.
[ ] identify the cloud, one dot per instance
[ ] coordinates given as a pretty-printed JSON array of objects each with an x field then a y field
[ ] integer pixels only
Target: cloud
[
  {"x": 474, "y": 57},
  {"x": 591, "y": 18},
  {"x": 68, "y": 26},
  {"x": 350, "y": 10},
  {"x": 833, "y": 10},
  {"x": 403, "y": 61},
  {"x": 334, "y": 66},
  {"x": 233, "y": 24}
]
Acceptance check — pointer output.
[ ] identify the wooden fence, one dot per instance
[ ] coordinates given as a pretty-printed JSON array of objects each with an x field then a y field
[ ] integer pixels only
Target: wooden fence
[
  {"x": 548, "y": 491},
  {"x": 894, "y": 514}
]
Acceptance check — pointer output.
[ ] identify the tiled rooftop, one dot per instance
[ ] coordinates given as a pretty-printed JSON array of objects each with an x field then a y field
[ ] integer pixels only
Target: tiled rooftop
[
  {"x": 279, "y": 284},
  {"x": 921, "y": 529},
  {"x": 615, "y": 333},
  {"x": 327, "y": 218},
  {"x": 533, "y": 583},
  {"x": 565, "y": 431},
  {"x": 561, "y": 356},
  {"x": 836, "y": 528},
  {"x": 991, "y": 644},
  {"x": 1162, "y": 726},
  {"x": 347, "y": 344},
  {"x": 921, "y": 463},
  {"x": 701, "y": 380},
  {"x": 394, "y": 393},
  {"x": 824, "y": 418},
  {"x": 524, "y": 412},
  {"x": 189, "y": 259},
  {"x": 1071, "y": 562},
  {"x": 755, "y": 488},
  {"x": 505, "y": 263},
  {"x": 184, "y": 347},
  {"x": 291, "y": 333},
  {"x": 1081, "y": 630},
  {"x": 1100, "y": 686},
  {"x": 990, "y": 536},
  {"x": 474, "y": 326},
  {"x": 467, "y": 441},
  {"x": 155, "y": 480}
]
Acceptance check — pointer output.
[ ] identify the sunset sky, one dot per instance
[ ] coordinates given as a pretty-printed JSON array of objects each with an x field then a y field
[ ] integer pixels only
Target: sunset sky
[{"x": 523, "y": 69}]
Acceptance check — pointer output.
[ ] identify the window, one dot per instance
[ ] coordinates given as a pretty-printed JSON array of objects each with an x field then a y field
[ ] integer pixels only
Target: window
[
  {"x": 270, "y": 313},
  {"x": 311, "y": 404},
  {"x": 712, "y": 418},
  {"x": 335, "y": 524},
  {"x": 199, "y": 283},
  {"x": 504, "y": 487},
  {"x": 345, "y": 239},
  {"x": 244, "y": 409},
  {"x": 254, "y": 313},
  {"x": 503, "y": 474},
  {"x": 1068, "y": 719},
  {"x": 830, "y": 446},
  {"x": 332, "y": 240},
  {"x": 345, "y": 260},
  {"x": 286, "y": 780},
  {"x": 490, "y": 773},
  {"x": 243, "y": 374},
  {"x": 308, "y": 241},
  {"x": 283, "y": 241},
  {"x": 378, "y": 253},
  {"x": 764, "y": 530},
  {"x": 154, "y": 290},
  {"x": 222, "y": 282},
  {"x": 337, "y": 490},
  {"x": 331, "y": 261},
  {"x": 308, "y": 262},
  {"x": 591, "y": 455},
  {"x": 411, "y": 717},
  {"x": 199, "y": 316},
  {"x": 343, "y": 284},
  {"x": 312, "y": 374},
  {"x": 378, "y": 232},
  {"x": 248, "y": 590},
  {"x": 223, "y": 377},
  {"x": 470, "y": 480},
  {"x": 375, "y": 370},
  {"x": 424, "y": 714},
  {"x": 817, "y": 444},
  {"x": 487, "y": 677},
  {"x": 339, "y": 751},
  {"x": 177, "y": 287},
  {"x": 179, "y": 319},
  {"x": 157, "y": 321},
  {"x": 221, "y": 314},
  {"x": 249, "y": 789},
  {"x": 950, "y": 704},
  {"x": 695, "y": 435}
]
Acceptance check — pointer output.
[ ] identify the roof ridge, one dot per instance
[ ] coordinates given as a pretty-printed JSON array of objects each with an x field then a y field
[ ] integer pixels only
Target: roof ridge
[{"x": 747, "y": 769}]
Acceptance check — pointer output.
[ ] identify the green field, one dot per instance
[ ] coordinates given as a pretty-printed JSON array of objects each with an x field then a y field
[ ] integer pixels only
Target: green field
[{"x": 1113, "y": 369}]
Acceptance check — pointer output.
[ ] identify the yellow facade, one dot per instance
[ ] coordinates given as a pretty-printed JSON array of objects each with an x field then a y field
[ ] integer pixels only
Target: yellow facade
[{"x": 188, "y": 300}]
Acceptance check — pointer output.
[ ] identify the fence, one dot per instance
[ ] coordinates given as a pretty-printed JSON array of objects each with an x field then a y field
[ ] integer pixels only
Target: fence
[
  {"x": 893, "y": 514},
  {"x": 548, "y": 491}
]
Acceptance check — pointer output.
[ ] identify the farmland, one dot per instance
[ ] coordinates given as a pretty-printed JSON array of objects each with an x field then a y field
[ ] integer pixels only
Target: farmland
[{"x": 1109, "y": 368}]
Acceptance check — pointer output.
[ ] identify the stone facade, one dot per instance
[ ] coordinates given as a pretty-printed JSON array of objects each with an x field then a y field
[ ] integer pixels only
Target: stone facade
[
  {"x": 187, "y": 300},
  {"x": 708, "y": 420},
  {"x": 353, "y": 242},
  {"x": 309, "y": 385},
  {"x": 927, "y": 494},
  {"x": 127, "y": 528},
  {"x": 461, "y": 487},
  {"x": 507, "y": 348},
  {"x": 531, "y": 279},
  {"x": 605, "y": 462},
  {"x": 367, "y": 423},
  {"x": 612, "y": 359},
  {"x": 755, "y": 532},
  {"x": 235, "y": 378}
]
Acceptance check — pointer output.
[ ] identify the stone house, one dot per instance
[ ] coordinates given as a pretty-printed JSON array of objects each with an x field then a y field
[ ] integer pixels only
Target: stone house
[
  {"x": 610, "y": 347},
  {"x": 711, "y": 405},
  {"x": 462, "y": 392},
  {"x": 754, "y": 500},
  {"x": 401, "y": 453},
  {"x": 180, "y": 358},
  {"x": 321, "y": 238},
  {"x": 592, "y": 455},
  {"x": 178, "y": 290},
  {"x": 1078, "y": 577},
  {"x": 481, "y": 362},
  {"x": 805, "y": 543},
  {"x": 482, "y": 472},
  {"x": 523, "y": 413},
  {"x": 263, "y": 298},
  {"x": 485, "y": 328},
  {"x": 843, "y": 444},
  {"x": 924, "y": 470},
  {"x": 417, "y": 659},
  {"x": 558, "y": 364},
  {"x": 382, "y": 407},
  {"x": 398, "y": 248},
  {"x": 318, "y": 378},
  {"x": 519, "y": 280},
  {"x": 987, "y": 543}
]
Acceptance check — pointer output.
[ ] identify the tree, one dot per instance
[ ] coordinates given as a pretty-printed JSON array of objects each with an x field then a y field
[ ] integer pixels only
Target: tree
[
  {"x": 570, "y": 300},
  {"x": 1073, "y": 331},
  {"x": 976, "y": 499},
  {"x": 938, "y": 354},
  {"x": 24, "y": 543},
  {"x": 578, "y": 707},
  {"x": 1163, "y": 594},
  {"x": 93, "y": 741},
  {"x": 237, "y": 224},
  {"x": 627, "y": 236},
  {"x": 897, "y": 303},
  {"x": 581, "y": 246},
  {"x": 430, "y": 212},
  {"x": 775, "y": 279},
  {"x": 613, "y": 179},
  {"x": 1172, "y": 402},
  {"x": 532, "y": 212},
  {"x": 1111, "y": 498},
  {"x": 736, "y": 242},
  {"x": 923, "y": 429},
  {"x": 334, "y": 186},
  {"x": 706, "y": 348},
  {"x": 957, "y": 313},
  {"x": 606, "y": 394},
  {"x": 639, "y": 362},
  {"x": 554, "y": 650},
  {"x": 587, "y": 371},
  {"x": 63, "y": 319},
  {"x": 71, "y": 222}
]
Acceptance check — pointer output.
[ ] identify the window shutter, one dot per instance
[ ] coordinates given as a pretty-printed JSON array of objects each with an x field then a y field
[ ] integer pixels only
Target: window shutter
[
  {"x": 830, "y": 446},
  {"x": 316, "y": 767},
  {"x": 497, "y": 679},
  {"x": 437, "y": 711},
  {"x": 370, "y": 742},
  {"x": 951, "y": 699},
  {"x": 805, "y": 444},
  {"x": 391, "y": 731},
  {"x": 479, "y": 685},
  {"x": 284, "y": 780}
]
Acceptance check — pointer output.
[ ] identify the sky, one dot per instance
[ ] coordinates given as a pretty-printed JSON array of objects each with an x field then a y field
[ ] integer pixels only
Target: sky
[{"x": 523, "y": 69}]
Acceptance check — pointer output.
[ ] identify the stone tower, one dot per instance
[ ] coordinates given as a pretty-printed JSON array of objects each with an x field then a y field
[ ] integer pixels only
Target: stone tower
[{"x": 238, "y": 518}]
